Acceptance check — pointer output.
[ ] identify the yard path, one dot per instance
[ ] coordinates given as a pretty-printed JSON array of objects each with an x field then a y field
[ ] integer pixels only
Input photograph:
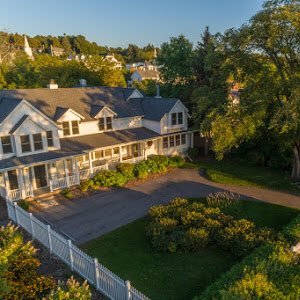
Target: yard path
[{"x": 87, "y": 218}]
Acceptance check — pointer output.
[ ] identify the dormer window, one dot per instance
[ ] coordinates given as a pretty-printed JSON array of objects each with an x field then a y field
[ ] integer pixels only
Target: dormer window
[
  {"x": 6, "y": 144},
  {"x": 37, "y": 142},
  {"x": 105, "y": 123},
  {"x": 108, "y": 123},
  {"x": 25, "y": 143},
  {"x": 177, "y": 118},
  {"x": 66, "y": 128},
  {"x": 70, "y": 128},
  {"x": 75, "y": 127}
]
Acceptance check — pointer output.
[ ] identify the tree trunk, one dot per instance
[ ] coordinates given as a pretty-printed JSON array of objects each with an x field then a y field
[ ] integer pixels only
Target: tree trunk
[{"x": 296, "y": 162}]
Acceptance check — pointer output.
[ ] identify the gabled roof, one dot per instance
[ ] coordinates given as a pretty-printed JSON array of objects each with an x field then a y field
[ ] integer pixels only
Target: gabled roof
[
  {"x": 7, "y": 105},
  {"x": 154, "y": 108},
  {"x": 96, "y": 109},
  {"x": 19, "y": 123},
  {"x": 78, "y": 99}
]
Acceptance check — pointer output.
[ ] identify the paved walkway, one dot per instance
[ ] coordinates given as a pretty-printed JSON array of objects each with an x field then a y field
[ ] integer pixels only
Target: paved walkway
[{"x": 87, "y": 218}]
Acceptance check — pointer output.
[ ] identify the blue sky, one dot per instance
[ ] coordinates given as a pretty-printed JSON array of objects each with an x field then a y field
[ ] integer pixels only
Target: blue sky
[{"x": 117, "y": 23}]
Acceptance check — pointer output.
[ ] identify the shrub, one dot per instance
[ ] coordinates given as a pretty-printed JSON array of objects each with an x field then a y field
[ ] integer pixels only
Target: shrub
[
  {"x": 292, "y": 230},
  {"x": 126, "y": 169},
  {"x": 23, "y": 204},
  {"x": 161, "y": 162},
  {"x": 195, "y": 239},
  {"x": 108, "y": 178},
  {"x": 20, "y": 278},
  {"x": 193, "y": 153},
  {"x": 223, "y": 200},
  {"x": 176, "y": 162},
  {"x": 71, "y": 290},
  {"x": 141, "y": 170},
  {"x": 86, "y": 185},
  {"x": 67, "y": 193}
]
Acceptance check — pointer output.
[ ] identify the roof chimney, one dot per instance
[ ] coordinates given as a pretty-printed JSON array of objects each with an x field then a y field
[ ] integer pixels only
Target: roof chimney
[
  {"x": 52, "y": 85},
  {"x": 82, "y": 82},
  {"x": 157, "y": 92}
]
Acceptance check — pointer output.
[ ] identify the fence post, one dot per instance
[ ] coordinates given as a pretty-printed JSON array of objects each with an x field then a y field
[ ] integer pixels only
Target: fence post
[
  {"x": 96, "y": 263},
  {"x": 16, "y": 213},
  {"x": 127, "y": 287},
  {"x": 71, "y": 254},
  {"x": 31, "y": 225},
  {"x": 49, "y": 238}
]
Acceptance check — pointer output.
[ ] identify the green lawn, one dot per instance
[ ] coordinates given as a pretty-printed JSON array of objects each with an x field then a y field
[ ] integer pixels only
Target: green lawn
[
  {"x": 230, "y": 172},
  {"x": 127, "y": 252}
]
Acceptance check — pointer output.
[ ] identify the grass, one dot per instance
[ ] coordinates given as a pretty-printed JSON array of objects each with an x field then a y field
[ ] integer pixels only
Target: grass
[
  {"x": 128, "y": 253},
  {"x": 229, "y": 172}
]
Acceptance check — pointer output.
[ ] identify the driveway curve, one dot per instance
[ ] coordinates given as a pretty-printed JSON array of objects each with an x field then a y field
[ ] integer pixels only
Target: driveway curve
[{"x": 84, "y": 219}]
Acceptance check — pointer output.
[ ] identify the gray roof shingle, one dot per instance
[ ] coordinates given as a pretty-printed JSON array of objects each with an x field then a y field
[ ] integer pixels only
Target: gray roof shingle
[
  {"x": 7, "y": 105},
  {"x": 79, "y": 99},
  {"x": 153, "y": 108}
]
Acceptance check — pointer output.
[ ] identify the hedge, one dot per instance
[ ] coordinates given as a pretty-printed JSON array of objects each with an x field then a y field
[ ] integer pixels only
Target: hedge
[
  {"x": 272, "y": 271},
  {"x": 182, "y": 225},
  {"x": 125, "y": 172}
]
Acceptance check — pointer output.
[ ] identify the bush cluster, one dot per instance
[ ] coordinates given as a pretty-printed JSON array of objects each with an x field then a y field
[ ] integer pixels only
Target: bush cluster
[
  {"x": 125, "y": 172},
  {"x": 183, "y": 225},
  {"x": 272, "y": 271}
]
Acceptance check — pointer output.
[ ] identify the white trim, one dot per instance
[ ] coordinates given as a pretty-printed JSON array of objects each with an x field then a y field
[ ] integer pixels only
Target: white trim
[
  {"x": 135, "y": 90},
  {"x": 72, "y": 111},
  {"x": 107, "y": 108}
]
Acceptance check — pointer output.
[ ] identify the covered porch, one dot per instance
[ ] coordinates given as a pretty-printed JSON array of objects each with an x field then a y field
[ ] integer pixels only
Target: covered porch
[{"x": 39, "y": 178}]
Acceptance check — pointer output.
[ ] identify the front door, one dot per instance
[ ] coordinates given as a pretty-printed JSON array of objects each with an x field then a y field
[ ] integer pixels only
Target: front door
[
  {"x": 13, "y": 180},
  {"x": 40, "y": 176}
]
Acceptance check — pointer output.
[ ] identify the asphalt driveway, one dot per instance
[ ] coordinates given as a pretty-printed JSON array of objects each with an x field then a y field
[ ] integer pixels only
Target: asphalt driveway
[{"x": 87, "y": 218}]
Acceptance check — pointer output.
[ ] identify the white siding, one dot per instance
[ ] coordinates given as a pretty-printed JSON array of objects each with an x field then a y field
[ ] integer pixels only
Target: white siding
[{"x": 152, "y": 125}]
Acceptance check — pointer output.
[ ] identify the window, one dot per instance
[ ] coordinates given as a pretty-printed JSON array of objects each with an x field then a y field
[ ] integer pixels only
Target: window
[
  {"x": 183, "y": 139},
  {"x": 116, "y": 150},
  {"x": 165, "y": 143},
  {"x": 50, "y": 142},
  {"x": 135, "y": 150},
  {"x": 105, "y": 123},
  {"x": 108, "y": 123},
  {"x": 37, "y": 142},
  {"x": 171, "y": 141},
  {"x": 25, "y": 143},
  {"x": 174, "y": 118},
  {"x": 6, "y": 144},
  {"x": 177, "y": 140},
  {"x": 180, "y": 118},
  {"x": 107, "y": 152},
  {"x": 66, "y": 128},
  {"x": 98, "y": 154},
  {"x": 75, "y": 127},
  {"x": 101, "y": 124}
]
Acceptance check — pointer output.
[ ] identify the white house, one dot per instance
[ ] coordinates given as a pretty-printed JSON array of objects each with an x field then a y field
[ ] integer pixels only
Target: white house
[
  {"x": 111, "y": 58},
  {"x": 51, "y": 138}
]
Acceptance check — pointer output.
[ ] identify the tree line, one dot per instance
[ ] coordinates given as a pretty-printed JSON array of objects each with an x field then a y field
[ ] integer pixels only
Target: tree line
[{"x": 78, "y": 44}]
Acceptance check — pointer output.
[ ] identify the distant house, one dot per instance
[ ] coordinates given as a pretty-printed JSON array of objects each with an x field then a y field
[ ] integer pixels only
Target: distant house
[
  {"x": 148, "y": 72},
  {"x": 111, "y": 58},
  {"x": 56, "y": 51}
]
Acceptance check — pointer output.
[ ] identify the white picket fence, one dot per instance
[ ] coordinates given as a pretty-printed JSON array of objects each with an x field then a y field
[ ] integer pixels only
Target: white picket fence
[{"x": 90, "y": 269}]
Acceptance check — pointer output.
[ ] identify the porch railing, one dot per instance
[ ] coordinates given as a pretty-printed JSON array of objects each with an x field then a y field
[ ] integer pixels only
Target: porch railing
[
  {"x": 64, "y": 182},
  {"x": 88, "y": 173},
  {"x": 133, "y": 159}
]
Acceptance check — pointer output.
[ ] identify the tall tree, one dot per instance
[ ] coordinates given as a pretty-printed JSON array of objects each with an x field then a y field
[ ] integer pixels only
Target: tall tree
[
  {"x": 265, "y": 56},
  {"x": 176, "y": 59}
]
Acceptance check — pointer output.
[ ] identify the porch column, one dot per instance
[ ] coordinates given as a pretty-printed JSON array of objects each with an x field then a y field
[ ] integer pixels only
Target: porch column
[
  {"x": 91, "y": 163},
  {"x": 192, "y": 139},
  {"x": 120, "y": 154},
  {"x": 76, "y": 169},
  {"x": 144, "y": 149},
  {"x": 21, "y": 183},
  {"x": 66, "y": 172},
  {"x": 6, "y": 184}
]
